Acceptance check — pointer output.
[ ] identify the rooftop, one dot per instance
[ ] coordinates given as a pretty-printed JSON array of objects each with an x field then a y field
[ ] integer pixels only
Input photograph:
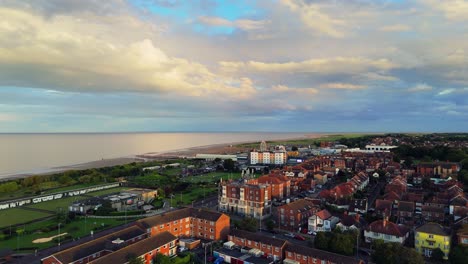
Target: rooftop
[{"x": 433, "y": 228}]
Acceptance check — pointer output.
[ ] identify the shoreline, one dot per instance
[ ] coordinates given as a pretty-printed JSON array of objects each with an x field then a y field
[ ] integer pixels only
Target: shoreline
[{"x": 151, "y": 156}]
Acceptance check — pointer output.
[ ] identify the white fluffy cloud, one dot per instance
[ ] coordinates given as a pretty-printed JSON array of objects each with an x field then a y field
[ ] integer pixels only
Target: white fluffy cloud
[
  {"x": 69, "y": 57},
  {"x": 244, "y": 24},
  {"x": 315, "y": 18},
  {"x": 456, "y": 10}
]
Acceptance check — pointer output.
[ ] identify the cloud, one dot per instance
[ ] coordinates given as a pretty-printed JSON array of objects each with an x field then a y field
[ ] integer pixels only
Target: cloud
[
  {"x": 315, "y": 18},
  {"x": 396, "y": 28},
  {"x": 282, "y": 89},
  {"x": 244, "y": 24},
  {"x": 327, "y": 65},
  {"x": 455, "y": 10},
  {"x": 420, "y": 87},
  {"x": 60, "y": 53},
  {"x": 344, "y": 86}
]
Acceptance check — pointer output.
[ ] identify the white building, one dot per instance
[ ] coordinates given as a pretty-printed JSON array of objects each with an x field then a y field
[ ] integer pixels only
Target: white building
[
  {"x": 382, "y": 147},
  {"x": 387, "y": 231},
  {"x": 268, "y": 157},
  {"x": 322, "y": 221}
]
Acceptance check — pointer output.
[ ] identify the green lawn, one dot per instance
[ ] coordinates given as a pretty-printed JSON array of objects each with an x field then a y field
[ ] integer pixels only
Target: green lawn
[
  {"x": 212, "y": 177},
  {"x": 77, "y": 228},
  {"x": 192, "y": 194},
  {"x": 72, "y": 187},
  {"x": 15, "y": 215},
  {"x": 59, "y": 203}
]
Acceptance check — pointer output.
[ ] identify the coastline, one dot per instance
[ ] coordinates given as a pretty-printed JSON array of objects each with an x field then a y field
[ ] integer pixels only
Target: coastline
[{"x": 150, "y": 156}]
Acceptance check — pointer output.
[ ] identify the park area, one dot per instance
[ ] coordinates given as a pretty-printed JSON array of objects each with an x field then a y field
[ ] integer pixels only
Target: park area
[{"x": 23, "y": 215}]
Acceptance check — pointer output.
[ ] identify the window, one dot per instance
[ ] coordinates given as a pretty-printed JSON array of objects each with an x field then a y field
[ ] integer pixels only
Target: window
[
  {"x": 175, "y": 229},
  {"x": 175, "y": 222},
  {"x": 431, "y": 236},
  {"x": 289, "y": 254},
  {"x": 161, "y": 227}
]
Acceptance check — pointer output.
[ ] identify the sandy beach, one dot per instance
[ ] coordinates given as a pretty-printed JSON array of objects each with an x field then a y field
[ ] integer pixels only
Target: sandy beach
[{"x": 229, "y": 148}]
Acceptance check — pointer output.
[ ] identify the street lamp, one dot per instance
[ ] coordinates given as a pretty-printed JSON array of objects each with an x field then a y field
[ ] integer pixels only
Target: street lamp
[{"x": 59, "y": 236}]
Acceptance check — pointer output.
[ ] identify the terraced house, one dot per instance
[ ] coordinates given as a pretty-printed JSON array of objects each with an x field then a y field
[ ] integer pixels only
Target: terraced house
[{"x": 431, "y": 236}]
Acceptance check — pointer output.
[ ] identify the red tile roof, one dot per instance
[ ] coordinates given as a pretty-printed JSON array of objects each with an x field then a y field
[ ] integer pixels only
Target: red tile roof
[
  {"x": 388, "y": 228},
  {"x": 324, "y": 214}
]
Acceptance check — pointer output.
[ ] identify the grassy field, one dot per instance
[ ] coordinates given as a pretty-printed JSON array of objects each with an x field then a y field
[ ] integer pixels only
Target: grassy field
[
  {"x": 68, "y": 188},
  {"x": 212, "y": 177},
  {"x": 18, "y": 216},
  {"x": 192, "y": 194},
  {"x": 60, "y": 203},
  {"x": 77, "y": 228},
  {"x": 305, "y": 141},
  {"x": 15, "y": 215}
]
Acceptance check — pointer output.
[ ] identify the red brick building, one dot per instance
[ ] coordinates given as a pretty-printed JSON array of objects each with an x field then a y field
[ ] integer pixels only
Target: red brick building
[
  {"x": 97, "y": 248},
  {"x": 268, "y": 245},
  {"x": 296, "y": 254},
  {"x": 163, "y": 243},
  {"x": 295, "y": 214},
  {"x": 189, "y": 222},
  {"x": 252, "y": 200},
  {"x": 280, "y": 187}
]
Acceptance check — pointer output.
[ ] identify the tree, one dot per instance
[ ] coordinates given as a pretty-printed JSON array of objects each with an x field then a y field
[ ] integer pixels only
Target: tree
[
  {"x": 105, "y": 208},
  {"x": 438, "y": 254},
  {"x": 394, "y": 253},
  {"x": 322, "y": 240},
  {"x": 161, "y": 259},
  {"x": 270, "y": 225},
  {"x": 342, "y": 244},
  {"x": 229, "y": 164},
  {"x": 65, "y": 179},
  {"x": 458, "y": 255},
  {"x": 248, "y": 224}
]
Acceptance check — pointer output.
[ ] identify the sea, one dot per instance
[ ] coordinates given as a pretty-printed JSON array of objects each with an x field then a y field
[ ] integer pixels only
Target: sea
[{"x": 41, "y": 153}]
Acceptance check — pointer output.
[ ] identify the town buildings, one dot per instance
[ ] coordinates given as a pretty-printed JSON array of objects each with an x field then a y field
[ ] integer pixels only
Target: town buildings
[
  {"x": 296, "y": 254},
  {"x": 322, "y": 221},
  {"x": 189, "y": 222},
  {"x": 387, "y": 231},
  {"x": 431, "y": 236},
  {"x": 267, "y": 245},
  {"x": 295, "y": 215},
  {"x": 276, "y": 157},
  {"x": 252, "y": 200}
]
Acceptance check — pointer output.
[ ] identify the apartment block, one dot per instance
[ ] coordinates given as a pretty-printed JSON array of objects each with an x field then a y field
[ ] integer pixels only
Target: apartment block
[{"x": 252, "y": 200}]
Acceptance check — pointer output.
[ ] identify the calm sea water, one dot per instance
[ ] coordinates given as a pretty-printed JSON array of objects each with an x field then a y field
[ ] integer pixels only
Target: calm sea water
[{"x": 33, "y": 153}]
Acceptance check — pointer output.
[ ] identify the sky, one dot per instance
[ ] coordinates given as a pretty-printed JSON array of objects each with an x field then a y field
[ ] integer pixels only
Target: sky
[{"x": 234, "y": 65}]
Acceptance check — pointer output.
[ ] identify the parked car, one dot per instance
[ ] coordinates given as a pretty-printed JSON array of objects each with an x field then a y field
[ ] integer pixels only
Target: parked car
[
  {"x": 299, "y": 237},
  {"x": 311, "y": 232},
  {"x": 289, "y": 234}
]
